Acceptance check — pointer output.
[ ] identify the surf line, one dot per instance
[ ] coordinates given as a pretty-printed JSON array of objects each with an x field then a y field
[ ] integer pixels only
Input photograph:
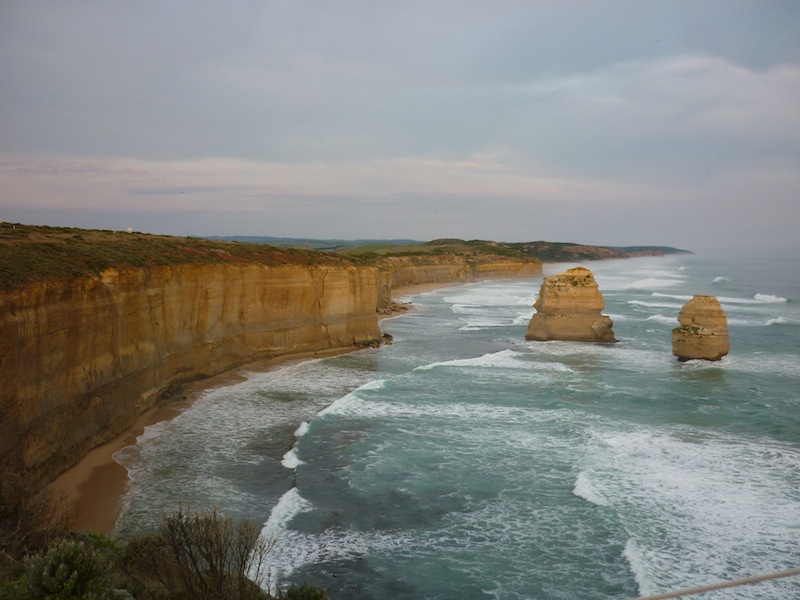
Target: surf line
[{"x": 724, "y": 584}]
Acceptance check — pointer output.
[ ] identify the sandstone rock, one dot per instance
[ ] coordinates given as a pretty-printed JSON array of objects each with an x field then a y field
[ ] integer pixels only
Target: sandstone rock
[
  {"x": 81, "y": 358},
  {"x": 703, "y": 332},
  {"x": 569, "y": 308}
]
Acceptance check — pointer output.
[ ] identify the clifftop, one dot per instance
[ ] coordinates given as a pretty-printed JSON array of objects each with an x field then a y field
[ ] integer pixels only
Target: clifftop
[
  {"x": 37, "y": 253},
  {"x": 33, "y": 253}
]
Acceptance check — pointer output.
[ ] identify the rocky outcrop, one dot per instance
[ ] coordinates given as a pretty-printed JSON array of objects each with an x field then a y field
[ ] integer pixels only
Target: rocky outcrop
[
  {"x": 703, "y": 331},
  {"x": 82, "y": 358},
  {"x": 569, "y": 308}
]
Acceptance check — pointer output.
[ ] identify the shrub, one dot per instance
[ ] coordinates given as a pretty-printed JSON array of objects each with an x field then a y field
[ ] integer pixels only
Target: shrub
[
  {"x": 29, "y": 520},
  {"x": 303, "y": 592},
  {"x": 67, "y": 569},
  {"x": 198, "y": 555}
]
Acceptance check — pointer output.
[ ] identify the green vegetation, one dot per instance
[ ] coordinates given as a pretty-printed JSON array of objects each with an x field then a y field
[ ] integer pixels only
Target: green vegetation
[
  {"x": 193, "y": 555},
  {"x": 434, "y": 248},
  {"x": 31, "y": 253}
]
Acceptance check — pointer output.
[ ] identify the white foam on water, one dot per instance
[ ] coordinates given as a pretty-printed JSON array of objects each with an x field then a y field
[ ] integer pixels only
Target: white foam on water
[
  {"x": 721, "y": 279},
  {"x": 285, "y": 555},
  {"x": 649, "y": 283},
  {"x": 745, "y": 322},
  {"x": 586, "y": 490},
  {"x": 375, "y": 384},
  {"x": 291, "y": 460},
  {"x": 655, "y": 304},
  {"x": 344, "y": 405},
  {"x": 755, "y": 300},
  {"x": 640, "y": 568},
  {"x": 301, "y": 430},
  {"x": 716, "y": 507},
  {"x": 761, "y": 363},
  {"x": 491, "y": 305},
  {"x": 503, "y": 358},
  {"x": 673, "y": 296},
  {"x": 523, "y": 318},
  {"x": 769, "y": 299},
  {"x": 129, "y": 456},
  {"x": 663, "y": 319},
  {"x": 293, "y": 549},
  {"x": 779, "y": 321},
  {"x": 351, "y": 403}
]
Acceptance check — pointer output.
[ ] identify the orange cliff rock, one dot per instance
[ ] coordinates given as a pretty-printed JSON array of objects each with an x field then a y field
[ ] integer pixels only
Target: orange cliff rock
[
  {"x": 569, "y": 308},
  {"x": 703, "y": 331},
  {"x": 82, "y": 358},
  {"x": 401, "y": 271}
]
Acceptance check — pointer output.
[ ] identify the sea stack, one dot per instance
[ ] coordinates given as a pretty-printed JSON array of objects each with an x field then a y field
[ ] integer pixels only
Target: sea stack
[
  {"x": 703, "y": 332},
  {"x": 569, "y": 308}
]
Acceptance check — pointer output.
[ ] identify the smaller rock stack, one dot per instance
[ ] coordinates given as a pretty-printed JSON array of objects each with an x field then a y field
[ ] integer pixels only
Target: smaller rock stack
[
  {"x": 569, "y": 308},
  {"x": 703, "y": 332}
]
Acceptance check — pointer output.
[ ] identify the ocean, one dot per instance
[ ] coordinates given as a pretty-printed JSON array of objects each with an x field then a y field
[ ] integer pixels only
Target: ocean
[{"x": 464, "y": 462}]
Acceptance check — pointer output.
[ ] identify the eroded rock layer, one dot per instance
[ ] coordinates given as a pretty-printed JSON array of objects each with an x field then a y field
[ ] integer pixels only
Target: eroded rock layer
[
  {"x": 569, "y": 308},
  {"x": 82, "y": 358},
  {"x": 703, "y": 331},
  {"x": 89, "y": 355}
]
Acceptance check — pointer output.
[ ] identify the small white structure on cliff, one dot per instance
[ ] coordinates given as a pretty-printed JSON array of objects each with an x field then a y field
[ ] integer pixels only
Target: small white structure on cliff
[{"x": 569, "y": 308}]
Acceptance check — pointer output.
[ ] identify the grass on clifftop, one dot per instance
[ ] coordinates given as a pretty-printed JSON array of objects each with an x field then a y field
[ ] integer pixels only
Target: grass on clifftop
[
  {"x": 34, "y": 253},
  {"x": 31, "y": 253},
  {"x": 435, "y": 247},
  {"x": 544, "y": 251}
]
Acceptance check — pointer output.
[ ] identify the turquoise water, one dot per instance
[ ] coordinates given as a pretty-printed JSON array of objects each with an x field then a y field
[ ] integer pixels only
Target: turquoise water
[{"x": 464, "y": 462}]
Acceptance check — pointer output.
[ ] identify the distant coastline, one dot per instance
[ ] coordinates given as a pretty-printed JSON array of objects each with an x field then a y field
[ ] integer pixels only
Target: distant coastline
[{"x": 201, "y": 308}]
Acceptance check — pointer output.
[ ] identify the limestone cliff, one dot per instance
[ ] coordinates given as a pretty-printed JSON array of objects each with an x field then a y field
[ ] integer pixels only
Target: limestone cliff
[
  {"x": 569, "y": 308},
  {"x": 401, "y": 271},
  {"x": 703, "y": 331},
  {"x": 82, "y": 358}
]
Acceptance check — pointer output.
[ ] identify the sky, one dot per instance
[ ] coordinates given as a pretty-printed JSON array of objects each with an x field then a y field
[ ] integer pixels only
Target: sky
[{"x": 613, "y": 122}]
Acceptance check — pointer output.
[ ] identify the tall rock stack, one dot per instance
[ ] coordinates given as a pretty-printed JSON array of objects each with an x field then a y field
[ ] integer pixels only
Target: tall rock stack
[
  {"x": 569, "y": 308},
  {"x": 703, "y": 331}
]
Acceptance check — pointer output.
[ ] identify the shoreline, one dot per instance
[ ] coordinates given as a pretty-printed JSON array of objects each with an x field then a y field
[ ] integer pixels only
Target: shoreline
[{"x": 93, "y": 489}]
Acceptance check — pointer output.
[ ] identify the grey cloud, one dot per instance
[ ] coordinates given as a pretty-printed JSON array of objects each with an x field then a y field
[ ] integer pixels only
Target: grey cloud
[{"x": 673, "y": 98}]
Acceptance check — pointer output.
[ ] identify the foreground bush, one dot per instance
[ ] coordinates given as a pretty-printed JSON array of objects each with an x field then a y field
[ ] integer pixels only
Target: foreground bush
[
  {"x": 193, "y": 555},
  {"x": 198, "y": 555},
  {"x": 29, "y": 520}
]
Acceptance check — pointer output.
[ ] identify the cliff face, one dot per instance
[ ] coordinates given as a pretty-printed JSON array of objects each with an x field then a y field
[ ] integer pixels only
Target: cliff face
[
  {"x": 569, "y": 308},
  {"x": 401, "y": 271},
  {"x": 703, "y": 332},
  {"x": 82, "y": 358}
]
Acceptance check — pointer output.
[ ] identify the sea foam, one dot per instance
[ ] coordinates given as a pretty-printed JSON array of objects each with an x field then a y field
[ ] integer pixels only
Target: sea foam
[
  {"x": 291, "y": 460},
  {"x": 769, "y": 299},
  {"x": 584, "y": 489}
]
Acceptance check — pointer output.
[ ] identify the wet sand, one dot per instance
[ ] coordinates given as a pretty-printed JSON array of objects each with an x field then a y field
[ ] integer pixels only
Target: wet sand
[{"x": 93, "y": 489}]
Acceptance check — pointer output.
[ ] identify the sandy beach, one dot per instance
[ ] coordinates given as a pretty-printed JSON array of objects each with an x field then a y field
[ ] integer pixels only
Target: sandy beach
[{"x": 93, "y": 489}]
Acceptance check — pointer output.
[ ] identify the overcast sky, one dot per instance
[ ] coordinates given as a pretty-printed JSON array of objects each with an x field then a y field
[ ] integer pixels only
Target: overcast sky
[{"x": 614, "y": 122}]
